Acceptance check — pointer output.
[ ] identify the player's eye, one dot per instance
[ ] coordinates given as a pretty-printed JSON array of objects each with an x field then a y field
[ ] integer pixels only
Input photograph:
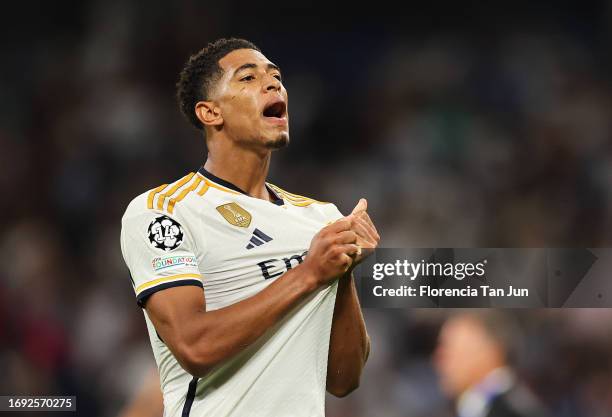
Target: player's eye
[
  {"x": 247, "y": 78},
  {"x": 278, "y": 77}
]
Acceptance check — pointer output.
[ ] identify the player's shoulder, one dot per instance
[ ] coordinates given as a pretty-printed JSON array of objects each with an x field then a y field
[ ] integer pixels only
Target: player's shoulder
[
  {"x": 294, "y": 199},
  {"x": 326, "y": 208},
  {"x": 166, "y": 199}
]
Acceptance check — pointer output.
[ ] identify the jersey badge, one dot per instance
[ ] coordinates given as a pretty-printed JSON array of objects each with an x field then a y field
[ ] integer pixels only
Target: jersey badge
[
  {"x": 235, "y": 215},
  {"x": 165, "y": 233}
]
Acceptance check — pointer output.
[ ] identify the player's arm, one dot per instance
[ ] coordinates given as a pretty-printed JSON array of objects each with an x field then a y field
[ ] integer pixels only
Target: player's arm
[
  {"x": 349, "y": 344},
  {"x": 201, "y": 339}
]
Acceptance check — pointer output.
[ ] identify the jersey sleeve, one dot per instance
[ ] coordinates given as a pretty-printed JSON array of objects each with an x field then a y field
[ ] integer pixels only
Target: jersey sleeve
[{"x": 159, "y": 253}]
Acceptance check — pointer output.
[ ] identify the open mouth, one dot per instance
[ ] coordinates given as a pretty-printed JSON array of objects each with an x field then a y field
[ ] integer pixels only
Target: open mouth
[{"x": 277, "y": 109}]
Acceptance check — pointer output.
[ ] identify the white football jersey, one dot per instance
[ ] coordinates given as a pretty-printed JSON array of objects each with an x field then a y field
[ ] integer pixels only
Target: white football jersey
[{"x": 206, "y": 232}]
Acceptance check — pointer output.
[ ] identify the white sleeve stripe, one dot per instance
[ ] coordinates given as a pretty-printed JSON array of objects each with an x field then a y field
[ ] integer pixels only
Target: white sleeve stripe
[{"x": 178, "y": 277}]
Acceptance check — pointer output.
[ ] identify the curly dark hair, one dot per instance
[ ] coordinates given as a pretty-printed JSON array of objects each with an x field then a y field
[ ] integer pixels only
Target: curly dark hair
[{"x": 200, "y": 73}]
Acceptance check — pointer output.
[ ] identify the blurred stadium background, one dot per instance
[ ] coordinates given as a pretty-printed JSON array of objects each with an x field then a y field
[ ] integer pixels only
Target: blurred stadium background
[{"x": 464, "y": 124}]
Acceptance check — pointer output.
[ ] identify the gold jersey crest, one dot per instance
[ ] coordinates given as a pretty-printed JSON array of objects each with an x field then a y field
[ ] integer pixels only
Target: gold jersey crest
[{"x": 234, "y": 214}]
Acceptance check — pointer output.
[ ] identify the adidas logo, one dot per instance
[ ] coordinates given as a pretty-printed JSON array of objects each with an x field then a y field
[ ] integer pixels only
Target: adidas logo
[{"x": 258, "y": 239}]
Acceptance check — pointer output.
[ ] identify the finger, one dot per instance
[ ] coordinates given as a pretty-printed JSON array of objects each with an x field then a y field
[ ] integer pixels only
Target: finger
[
  {"x": 364, "y": 231},
  {"x": 366, "y": 217},
  {"x": 348, "y": 236},
  {"x": 363, "y": 237},
  {"x": 362, "y": 214},
  {"x": 346, "y": 260},
  {"x": 362, "y": 205},
  {"x": 350, "y": 249},
  {"x": 340, "y": 225}
]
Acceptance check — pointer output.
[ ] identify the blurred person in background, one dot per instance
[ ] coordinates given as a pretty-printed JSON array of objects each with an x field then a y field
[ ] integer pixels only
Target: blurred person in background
[{"x": 474, "y": 360}]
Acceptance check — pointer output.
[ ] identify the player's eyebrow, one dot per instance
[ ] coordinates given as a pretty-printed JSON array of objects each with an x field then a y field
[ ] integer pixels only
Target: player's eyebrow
[
  {"x": 273, "y": 66},
  {"x": 251, "y": 65}
]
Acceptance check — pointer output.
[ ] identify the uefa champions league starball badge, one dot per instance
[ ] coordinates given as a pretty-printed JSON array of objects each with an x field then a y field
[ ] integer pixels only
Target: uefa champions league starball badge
[{"x": 165, "y": 233}]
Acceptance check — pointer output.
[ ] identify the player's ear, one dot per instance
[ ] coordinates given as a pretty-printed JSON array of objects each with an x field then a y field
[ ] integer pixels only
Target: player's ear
[{"x": 208, "y": 113}]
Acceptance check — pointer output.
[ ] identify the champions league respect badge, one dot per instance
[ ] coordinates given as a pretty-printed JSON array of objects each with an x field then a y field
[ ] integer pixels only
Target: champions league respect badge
[{"x": 165, "y": 233}]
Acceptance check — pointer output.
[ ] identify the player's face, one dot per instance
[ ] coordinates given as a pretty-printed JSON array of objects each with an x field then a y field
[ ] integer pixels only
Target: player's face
[{"x": 253, "y": 100}]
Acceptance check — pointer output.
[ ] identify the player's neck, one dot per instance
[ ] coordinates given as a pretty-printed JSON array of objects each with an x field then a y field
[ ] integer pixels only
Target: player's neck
[{"x": 246, "y": 170}]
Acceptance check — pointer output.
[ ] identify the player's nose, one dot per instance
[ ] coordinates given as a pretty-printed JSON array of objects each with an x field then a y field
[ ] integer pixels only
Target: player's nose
[{"x": 272, "y": 84}]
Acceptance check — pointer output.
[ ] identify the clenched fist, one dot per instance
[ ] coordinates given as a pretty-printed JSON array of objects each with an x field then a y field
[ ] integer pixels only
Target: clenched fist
[
  {"x": 367, "y": 235},
  {"x": 332, "y": 251}
]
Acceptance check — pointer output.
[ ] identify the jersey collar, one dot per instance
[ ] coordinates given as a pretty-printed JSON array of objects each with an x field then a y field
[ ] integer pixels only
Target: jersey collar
[{"x": 276, "y": 199}]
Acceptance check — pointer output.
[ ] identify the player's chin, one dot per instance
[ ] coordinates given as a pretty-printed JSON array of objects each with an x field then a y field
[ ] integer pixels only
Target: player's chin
[{"x": 278, "y": 141}]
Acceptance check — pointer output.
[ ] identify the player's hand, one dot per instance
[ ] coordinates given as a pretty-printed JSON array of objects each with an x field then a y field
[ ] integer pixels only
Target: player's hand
[
  {"x": 332, "y": 251},
  {"x": 367, "y": 235}
]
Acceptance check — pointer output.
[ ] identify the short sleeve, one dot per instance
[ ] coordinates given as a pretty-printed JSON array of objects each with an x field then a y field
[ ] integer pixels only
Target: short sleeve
[{"x": 159, "y": 254}]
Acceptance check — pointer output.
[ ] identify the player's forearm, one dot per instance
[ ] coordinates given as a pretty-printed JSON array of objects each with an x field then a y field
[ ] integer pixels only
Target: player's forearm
[
  {"x": 215, "y": 336},
  {"x": 349, "y": 343}
]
